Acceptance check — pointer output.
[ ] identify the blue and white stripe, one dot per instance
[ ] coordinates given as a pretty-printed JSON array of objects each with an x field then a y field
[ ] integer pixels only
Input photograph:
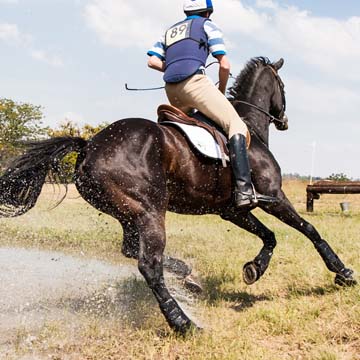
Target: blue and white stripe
[
  {"x": 158, "y": 49},
  {"x": 215, "y": 39}
]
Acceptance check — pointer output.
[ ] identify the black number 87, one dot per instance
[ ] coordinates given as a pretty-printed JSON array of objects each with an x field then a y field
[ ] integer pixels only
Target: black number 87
[{"x": 178, "y": 30}]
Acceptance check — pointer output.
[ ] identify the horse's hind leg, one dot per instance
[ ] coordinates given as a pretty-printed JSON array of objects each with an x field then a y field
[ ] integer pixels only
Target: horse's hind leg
[
  {"x": 284, "y": 211},
  {"x": 176, "y": 266},
  {"x": 253, "y": 270},
  {"x": 183, "y": 272},
  {"x": 151, "y": 228}
]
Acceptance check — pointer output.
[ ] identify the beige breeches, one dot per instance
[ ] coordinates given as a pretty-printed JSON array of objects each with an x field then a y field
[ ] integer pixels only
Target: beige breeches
[{"x": 200, "y": 93}]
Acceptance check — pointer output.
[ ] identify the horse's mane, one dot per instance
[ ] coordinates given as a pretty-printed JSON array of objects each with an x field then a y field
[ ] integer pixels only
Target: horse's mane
[{"x": 244, "y": 82}]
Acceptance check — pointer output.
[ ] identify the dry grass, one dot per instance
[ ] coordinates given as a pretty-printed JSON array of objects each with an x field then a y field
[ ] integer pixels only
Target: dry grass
[{"x": 293, "y": 312}]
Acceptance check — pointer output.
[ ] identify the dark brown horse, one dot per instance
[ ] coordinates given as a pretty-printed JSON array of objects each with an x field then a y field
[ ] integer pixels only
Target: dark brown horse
[{"x": 135, "y": 170}]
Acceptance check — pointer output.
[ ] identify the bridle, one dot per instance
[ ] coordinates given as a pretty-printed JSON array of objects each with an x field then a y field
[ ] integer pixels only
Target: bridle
[
  {"x": 282, "y": 91},
  {"x": 272, "y": 118}
]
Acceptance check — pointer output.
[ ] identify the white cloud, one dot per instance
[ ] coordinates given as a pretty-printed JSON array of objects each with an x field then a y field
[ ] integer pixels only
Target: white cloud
[
  {"x": 323, "y": 42},
  {"x": 11, "y": 33},
  {"x": 9, "y": 1},
  {"x": 269, "y": 4},
  {"x": 321, "y": 99},
  {"x": 45, "y": 57},
  {"x": 135, "y": 23},
  {"x": 326, "y": 43}
]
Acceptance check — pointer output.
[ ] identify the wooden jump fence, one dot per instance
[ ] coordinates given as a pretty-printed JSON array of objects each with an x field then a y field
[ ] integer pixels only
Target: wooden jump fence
[{"x": 329, "y": 187}]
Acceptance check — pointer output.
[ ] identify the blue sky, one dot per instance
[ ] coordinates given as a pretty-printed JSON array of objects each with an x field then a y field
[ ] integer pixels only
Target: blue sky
[
  {"x": 73, "y": 57},
  {"x": 333, "y": 8}
]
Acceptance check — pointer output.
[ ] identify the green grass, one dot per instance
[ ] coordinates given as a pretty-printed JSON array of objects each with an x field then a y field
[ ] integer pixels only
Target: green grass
[{"x": 294, "y": 312}]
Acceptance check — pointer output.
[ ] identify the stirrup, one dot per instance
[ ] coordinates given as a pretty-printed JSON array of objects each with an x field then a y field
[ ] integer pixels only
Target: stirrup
[
  {"x": 241, "y": 203},
  {"x": 252, "y": 200},
  {"x": 262, "y": 198},
  {"x": 248, "y": 200}
]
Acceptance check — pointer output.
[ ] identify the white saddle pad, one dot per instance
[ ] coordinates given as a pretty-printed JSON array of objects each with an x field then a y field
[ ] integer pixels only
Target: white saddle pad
[{"x": 201, "y": 139}]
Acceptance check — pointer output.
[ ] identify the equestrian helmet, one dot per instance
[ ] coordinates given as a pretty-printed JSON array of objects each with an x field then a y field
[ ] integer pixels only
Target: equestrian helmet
[{"x": 198, "y": 6}]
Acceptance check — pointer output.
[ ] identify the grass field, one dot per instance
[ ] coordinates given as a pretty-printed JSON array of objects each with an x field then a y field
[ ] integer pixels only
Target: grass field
[{"x": 294, "y": 312}]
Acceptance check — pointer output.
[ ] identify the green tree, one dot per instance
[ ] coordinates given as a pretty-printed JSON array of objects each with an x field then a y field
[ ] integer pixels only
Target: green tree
[
  {"x": 18, "y": 122},
  {"x": 338, "y": 177},
  {"x": 70, "y": 128}
]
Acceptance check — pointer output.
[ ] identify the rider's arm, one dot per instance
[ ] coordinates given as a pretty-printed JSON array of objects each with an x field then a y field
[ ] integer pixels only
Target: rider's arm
[
  {"x": 156, "y": 63},
  {"x": 218, "y": 51},
  {"x": 157, "y": 55},
  {"x": 224, "y": 71}
]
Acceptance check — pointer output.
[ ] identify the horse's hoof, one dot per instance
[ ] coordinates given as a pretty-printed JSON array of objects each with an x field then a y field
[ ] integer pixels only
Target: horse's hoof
[
  {"x": 345, "y": 281},
  {"x": 186, "y": 328},
  {"x": 250, "y": 273},
  {"x": 192, "y": 285},
  {"x": 193, "y": 330}
]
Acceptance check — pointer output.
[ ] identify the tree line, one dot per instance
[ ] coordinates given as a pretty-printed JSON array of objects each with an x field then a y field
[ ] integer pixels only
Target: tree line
[{"x": 23, "y": 122}]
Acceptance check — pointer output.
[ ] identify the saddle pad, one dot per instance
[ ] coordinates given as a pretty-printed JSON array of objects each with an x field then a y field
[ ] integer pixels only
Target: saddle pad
[{"x": 201, "y": 139}]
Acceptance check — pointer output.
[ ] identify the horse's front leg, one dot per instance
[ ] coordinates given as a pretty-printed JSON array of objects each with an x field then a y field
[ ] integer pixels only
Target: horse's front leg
[
  {"x": 253, "y": 270},
  {"x": 151, "y": 228},
  {"x": 131, "y": 240},
  {"x": 285, "y": 212},
  {"x": 130, "y": 249}
]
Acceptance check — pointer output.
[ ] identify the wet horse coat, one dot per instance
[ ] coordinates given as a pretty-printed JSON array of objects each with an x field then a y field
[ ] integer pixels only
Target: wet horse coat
[{"x": 135, "y": 170}]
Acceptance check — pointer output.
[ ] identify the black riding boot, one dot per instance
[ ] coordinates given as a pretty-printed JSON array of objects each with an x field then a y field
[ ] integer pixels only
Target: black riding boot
[{"x": 244, "y": 191}]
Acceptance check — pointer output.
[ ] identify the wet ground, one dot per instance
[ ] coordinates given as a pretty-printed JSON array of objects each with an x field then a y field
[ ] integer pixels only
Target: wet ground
[{"x": 38, "y": 287}]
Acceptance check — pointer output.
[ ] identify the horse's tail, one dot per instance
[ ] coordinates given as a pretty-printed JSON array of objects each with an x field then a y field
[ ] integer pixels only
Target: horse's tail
[{"x": 21, "y": 184}]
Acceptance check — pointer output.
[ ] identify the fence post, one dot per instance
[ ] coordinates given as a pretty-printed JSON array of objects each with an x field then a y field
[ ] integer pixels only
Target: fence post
[{"x": 309, "y": 201}]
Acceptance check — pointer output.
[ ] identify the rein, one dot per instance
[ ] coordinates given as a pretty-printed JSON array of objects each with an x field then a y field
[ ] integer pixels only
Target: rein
[{"x": 273, "y": 119}]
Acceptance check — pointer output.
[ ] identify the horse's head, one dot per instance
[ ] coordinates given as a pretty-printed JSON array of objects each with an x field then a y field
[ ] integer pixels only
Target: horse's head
[
  {"x": 278, "y": 101},
  {"x": 258, "y": 96}
]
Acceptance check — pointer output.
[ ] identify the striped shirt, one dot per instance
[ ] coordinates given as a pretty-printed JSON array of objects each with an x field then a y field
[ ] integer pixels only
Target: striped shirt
[{"x": 215, "y": 41}]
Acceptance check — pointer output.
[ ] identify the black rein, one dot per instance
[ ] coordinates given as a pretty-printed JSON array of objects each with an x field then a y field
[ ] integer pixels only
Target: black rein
[{"x": 273, "y": 119}]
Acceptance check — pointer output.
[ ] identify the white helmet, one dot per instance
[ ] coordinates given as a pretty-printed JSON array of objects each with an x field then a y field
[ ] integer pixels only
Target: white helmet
[{"x": 196, "y": 6}]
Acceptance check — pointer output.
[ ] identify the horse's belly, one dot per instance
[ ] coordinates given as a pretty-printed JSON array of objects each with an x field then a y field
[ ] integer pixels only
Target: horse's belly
[{"x": 202, "y": 198}]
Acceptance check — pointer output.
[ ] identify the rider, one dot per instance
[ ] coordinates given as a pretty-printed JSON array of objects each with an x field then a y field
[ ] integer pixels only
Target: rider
[{"x": 181, "y": 53}]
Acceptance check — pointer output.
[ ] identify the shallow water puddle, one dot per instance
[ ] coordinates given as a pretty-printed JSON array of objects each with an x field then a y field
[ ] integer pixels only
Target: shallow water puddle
[{"x": 38, "y": 287}]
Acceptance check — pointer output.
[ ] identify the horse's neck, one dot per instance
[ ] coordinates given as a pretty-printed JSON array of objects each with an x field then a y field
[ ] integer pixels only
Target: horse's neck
[
  {"x": 258, "y": 125},
  {"x": 260, "y": 97}
]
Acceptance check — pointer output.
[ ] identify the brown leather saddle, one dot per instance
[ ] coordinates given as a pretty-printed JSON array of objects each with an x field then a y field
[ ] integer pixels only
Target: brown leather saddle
[{"x": 169, "y": 113}]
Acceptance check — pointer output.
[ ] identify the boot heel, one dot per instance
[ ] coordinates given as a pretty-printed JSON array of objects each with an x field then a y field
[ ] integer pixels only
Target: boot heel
[{"x": 241, "y": 201}]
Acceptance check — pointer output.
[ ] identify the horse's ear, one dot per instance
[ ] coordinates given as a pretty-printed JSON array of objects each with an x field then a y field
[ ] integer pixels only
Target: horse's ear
[{"x": 278, "y": 65}]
